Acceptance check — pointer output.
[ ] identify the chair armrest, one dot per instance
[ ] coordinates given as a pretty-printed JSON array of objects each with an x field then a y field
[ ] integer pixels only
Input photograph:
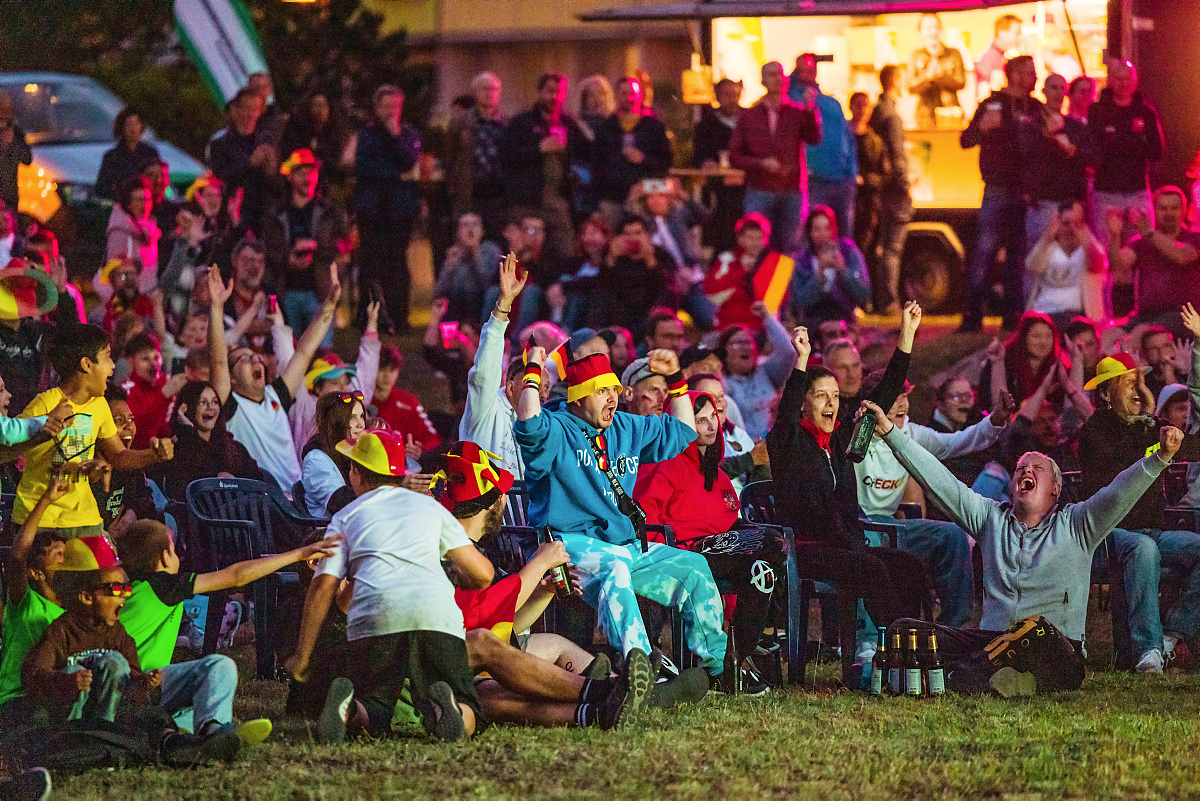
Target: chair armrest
[
  {"x": 890, "y": 530},
  {"x": 665, "y": 531},
  {"x": 290, "y": 511}
]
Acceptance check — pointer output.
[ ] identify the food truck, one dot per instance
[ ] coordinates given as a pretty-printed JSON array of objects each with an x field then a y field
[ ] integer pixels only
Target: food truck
[{"x": 854, "y": 40}]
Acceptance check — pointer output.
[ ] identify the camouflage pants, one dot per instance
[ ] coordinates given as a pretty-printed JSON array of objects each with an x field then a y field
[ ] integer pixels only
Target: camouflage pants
[{"x": 616, "y": 574}]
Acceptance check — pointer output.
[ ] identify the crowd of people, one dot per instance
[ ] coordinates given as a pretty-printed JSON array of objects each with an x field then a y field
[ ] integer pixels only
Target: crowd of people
[{"x": 628, "y": 380}]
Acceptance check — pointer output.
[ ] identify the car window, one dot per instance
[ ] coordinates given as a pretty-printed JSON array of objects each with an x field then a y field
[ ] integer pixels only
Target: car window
[{"x": 59, "y": 113}]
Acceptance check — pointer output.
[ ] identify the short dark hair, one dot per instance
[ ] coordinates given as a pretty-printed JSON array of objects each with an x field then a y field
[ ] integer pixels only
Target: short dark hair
[
  {"x": 546, "y": 77},
  {"x": 872, "y": 382},
  {"x": 465, "y": 510},
  {"x": 67, "y": 585},
  {"x": 1078, "y": 81},
  {"x": 1011, "y": 66},
  {"x": 515, "y": 368},
  {"x": 631, "y": 219},
  {"x": 138, "y": 183},
  {"x": 372, "y": 480},
  {"x": 115, "y": 392},
  {"x": 141, "y": 546},
  {"x": 466, "y": 102},
  {"x": 658, "y": 316},
  {"x": 694, "y": 380},
  {"x": 139, "y": 342},
  {"x": 248, "y": 241},
  {"x": 72, "y": 344},
  {"x": 943, "y": 389},
  {"x": 239, "y": 96},
  {"x": 390, "y": 356},
  {"x": 721, "y": 84},
  {"x": 817, "y": 372},
  {"x": 1079, "y": 325},
  {"x": 887, "y": 76},
  {"x": 1151, "y": 330}
]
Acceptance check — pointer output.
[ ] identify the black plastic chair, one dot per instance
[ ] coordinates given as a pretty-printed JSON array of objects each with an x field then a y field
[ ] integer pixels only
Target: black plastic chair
[
  {"x": 231, "y": 520},
  {"x": 515, "y": 511}
]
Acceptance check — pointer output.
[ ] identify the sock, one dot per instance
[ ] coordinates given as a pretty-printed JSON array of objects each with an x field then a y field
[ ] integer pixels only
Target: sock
[
  {"x": 585, "y": 715},
  {"x": 595, "y": 690}
]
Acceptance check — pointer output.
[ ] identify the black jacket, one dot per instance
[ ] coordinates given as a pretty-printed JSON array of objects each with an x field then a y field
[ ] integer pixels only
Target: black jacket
[
  {"x": 1006, "y": 154},
  {"x": 381, "y": 196},
  {"x": 1108, "y": 444},
  {"x": 523, "y": 163},
  {"x": 615, "y": 175},
  {"x": 1127, "y": 139},
  {"x": 120, "y": 164},
  {"x": 711, "y": 137},
  {"x": 816, "y": 493}
]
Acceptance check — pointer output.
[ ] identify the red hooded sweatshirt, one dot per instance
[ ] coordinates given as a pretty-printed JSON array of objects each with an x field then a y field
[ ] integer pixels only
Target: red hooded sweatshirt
[{"x": 672, "y": 492}]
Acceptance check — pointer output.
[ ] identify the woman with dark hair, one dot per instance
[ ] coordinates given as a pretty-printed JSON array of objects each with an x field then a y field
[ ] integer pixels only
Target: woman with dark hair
[
  {"x": 128, "y": 158},
  {"x": 831, "y": 279},
  {"x": 755, "y": 384},
  {"x": 324, "y": 472},
  {"x": 203, "y": 446},
  {"x": 694, "y": 495},
  {"x": 132, "y": 231},
  {"x": 1025, "y": 360}
]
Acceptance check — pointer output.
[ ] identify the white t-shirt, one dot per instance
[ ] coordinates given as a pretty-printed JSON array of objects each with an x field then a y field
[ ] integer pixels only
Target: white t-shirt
[
  {"x": 1060, "y": 288},
  {"x": 395, "y": 540},
  {"x": 263, "y": 429}
]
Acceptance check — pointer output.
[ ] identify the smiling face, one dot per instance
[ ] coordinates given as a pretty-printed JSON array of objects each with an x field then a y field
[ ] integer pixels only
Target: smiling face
[
  {"x": 1034, "y": 488},
  {"x": 717, "y": 392},
  {"x": 208, "y": 409},
  {"x": 105, "y": 607},
  {"x": 1157, "y": 348},
  {"x": 1122, "y": 396},
  {"x": 123, "y": 418},
  {"x": 147, "y": 364},
  {"x": 1039, "y": 341},
  {"x": 597, "y": 409},
  {"x": 821, "y": 403},
  {"x": 97, "y": 371},
  {"x": 247, "y": 373},
  {"x": 899, "y": 410},
  {"x": 956, "y": 401}
]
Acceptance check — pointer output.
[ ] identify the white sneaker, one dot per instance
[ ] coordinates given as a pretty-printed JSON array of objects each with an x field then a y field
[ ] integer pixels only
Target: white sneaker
[
  {"x": 864, "y": 653},
  {"x": 1151, "y": 662}
]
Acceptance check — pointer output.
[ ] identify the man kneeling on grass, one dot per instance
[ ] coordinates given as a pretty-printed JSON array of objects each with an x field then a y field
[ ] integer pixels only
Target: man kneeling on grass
[
  {"x": 402, "y": 621},
  {"x": 1037, "y": 562},
  {"x": 549, "y": 680}
]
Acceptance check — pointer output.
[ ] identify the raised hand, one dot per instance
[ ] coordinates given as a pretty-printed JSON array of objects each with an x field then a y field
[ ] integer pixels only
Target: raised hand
[
  {"x": 218, "y": 290},
  {"x": 536, "y": 355},
  {"x": 1182, "y": 357},
  {"x": 412, "y": 448},
  {"x": 910, "y": 319},
  {"x": 801, "y": 343},
  {"x": 57, "y": 488},
  {"x": 883, "y": 423},
  {"x": 1004, "y": 410},
  {"x": 511, "y": 282},
  {"x": 1191, "y": 319},
  {"x": 164, "y": 449},
  {"x": 1169, "y": 440},
  {"x": 373, "y": 315},
  {"x": 995, "y": 350},
  {"x": 663, "y": 361},
  {"x": 335, "y": 286},
  {"x": 439, "y": 308}
]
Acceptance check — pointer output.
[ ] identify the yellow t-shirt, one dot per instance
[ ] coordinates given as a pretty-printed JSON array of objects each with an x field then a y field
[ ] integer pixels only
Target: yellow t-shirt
[{"x": 77, "y": 442}]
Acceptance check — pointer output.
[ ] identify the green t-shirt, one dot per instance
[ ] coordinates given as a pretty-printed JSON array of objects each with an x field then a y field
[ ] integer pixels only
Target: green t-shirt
[
  {"x": 24, "y": 624},
  {"x": 153, "y": 613}
]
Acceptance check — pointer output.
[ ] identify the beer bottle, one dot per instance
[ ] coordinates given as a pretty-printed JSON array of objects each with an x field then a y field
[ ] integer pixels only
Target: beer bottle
[
  {"x": 935, "y": 682},
  {"x": 864, "y": 429},
  {"x": 879, "y": 665},
  {"x": 895, "y": 667},
  {"x": 912, "y": 667},
  {"x": 559, "y": 575}
]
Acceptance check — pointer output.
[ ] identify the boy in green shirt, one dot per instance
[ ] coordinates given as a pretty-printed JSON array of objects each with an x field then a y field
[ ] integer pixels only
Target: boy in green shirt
[
  {"x": 153, "y": 613},
  {"x": 81, "y": 356}
]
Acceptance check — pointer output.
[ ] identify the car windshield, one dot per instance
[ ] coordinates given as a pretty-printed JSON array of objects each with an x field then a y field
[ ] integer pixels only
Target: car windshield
[{"x": 63, "y": 112}]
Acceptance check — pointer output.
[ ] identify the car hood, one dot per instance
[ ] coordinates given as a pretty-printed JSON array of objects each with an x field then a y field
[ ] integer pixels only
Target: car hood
[{"x": 79, "y": 163}]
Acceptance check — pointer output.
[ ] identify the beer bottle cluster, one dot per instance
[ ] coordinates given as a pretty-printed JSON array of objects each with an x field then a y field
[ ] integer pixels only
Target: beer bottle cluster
[{"x": 901, "y": 668}]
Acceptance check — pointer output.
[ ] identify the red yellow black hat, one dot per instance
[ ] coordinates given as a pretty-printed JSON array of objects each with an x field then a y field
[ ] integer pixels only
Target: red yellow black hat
[
  {"x": 380, "y": 451},
  {"x": 469, "y": 472},
  {"x": 299, "y": 158},
  {"x": 208, "y": 179},
  {"x": 589, "y": 374},
  {"x": 89, "y": 553},
  {"x": 25, "y": 292}
]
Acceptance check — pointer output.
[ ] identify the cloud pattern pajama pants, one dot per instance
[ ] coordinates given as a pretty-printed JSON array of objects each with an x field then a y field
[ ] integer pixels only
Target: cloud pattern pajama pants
[{"x": 675, "y": 578}]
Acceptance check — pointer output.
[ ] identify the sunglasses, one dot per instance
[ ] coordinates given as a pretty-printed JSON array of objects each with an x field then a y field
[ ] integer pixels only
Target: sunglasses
[
  {"x": 350, "y": 397},
  {"x": 116, "y": 589}
]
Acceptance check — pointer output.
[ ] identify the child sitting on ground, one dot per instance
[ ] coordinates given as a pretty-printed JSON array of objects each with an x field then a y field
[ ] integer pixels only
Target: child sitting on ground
[
  {"x": 154, "y": 612},
  {"x": 402, "y": 622}
]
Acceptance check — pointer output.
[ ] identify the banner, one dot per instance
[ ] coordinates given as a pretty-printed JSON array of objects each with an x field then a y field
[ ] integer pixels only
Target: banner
[{"x": 220, "y": 39}]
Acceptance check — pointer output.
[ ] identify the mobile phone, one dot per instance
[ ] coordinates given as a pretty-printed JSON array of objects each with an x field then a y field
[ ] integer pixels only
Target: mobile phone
[
  {"x": 178, "y": 365},
  {"x": 449, "y": 334},
  {"x": 272, "y": 304}
]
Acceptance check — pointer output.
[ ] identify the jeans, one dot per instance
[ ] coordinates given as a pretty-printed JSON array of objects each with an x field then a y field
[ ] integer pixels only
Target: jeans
[
  {"x": 200, "y": 692},
  {"x": 110, "y": 677},
  {"x": 614, "y": 575},
  {"x": 1149, "y": 556},
  {"x": 300, "y": 307},
  {"x": 837, "y": 195},
  {"x": 1001, "y": 225},
  {"x": 383, "y": 264},
  {"x": 895, "y": 213},
  {"x": 785, "y": 210}
]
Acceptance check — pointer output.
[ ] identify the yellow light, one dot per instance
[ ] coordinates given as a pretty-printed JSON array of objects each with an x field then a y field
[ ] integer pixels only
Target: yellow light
[
  {"x": 31, "y": 88},
  {"x": 41, "y": 172}
]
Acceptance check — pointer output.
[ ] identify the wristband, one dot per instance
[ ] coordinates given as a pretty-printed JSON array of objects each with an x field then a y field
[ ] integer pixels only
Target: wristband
[
  {"x": 503, "y": 311},
  {"x": 533, "y": 372},
  {"x": 676, "y": 384}
]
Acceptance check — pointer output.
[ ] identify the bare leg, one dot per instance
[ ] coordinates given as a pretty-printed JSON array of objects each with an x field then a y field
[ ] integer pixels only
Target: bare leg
[
  {"x": 502, "y": 706},
  {"x": 524, "y": 674},
  {"x": 559, "y": 650}
]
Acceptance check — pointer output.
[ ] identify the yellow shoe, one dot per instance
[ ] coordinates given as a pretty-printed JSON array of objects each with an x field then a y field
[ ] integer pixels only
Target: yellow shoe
[{"x": 253, "y": 732}]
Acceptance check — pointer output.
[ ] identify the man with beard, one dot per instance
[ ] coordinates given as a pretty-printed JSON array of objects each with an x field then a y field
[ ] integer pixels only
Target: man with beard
[
  {"x": 1122, "y": 430},
  {"x": 581, "y": 464}
]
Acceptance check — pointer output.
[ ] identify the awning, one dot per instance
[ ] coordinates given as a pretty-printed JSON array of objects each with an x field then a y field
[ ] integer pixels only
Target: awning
[{"x": 708, "y": 9}]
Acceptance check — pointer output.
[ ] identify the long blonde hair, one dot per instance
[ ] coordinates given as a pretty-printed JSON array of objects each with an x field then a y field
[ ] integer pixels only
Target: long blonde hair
[{"x": 597, "y": 89}]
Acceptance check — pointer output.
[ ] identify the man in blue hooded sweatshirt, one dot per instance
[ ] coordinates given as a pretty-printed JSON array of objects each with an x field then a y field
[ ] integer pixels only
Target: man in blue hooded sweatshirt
[{"x": 575, "y": 460}]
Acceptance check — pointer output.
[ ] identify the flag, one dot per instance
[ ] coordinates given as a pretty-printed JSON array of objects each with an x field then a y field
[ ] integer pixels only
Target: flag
[
  {"x": 220, "y": 39},
  {"x": 557, "y": 357}
]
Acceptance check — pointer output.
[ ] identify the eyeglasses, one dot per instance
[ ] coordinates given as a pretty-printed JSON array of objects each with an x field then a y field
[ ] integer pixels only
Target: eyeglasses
[
  {"x": 350, "y": 397},
  {"x": 114, "y": 589},
  {"x": 958, "y": 397}
]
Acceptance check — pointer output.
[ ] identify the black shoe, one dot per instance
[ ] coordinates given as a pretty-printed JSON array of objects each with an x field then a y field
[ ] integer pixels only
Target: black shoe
[
  {"x": 769, "y": 656},
  {"x": 664, "y": 667},
  {"x": 181, "y": 750},
  {"x": 821, "y": 653},
  {"x": 752, "y": 683},
  {"x": 688, "y": 687},
  {"x": 331, "y": 725},
  {"x": 440, "y": 713},
  {"x": 32, "y": 785}
]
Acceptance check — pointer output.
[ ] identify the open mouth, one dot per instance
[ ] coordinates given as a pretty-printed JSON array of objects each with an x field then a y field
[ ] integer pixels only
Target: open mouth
[
  {"x": 126, "y": 439},
  {"x": 1027, "y": 484}
]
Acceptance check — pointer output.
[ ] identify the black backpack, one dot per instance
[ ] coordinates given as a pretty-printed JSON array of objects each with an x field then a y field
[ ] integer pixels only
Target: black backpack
[{"x": 80, "y": 745}]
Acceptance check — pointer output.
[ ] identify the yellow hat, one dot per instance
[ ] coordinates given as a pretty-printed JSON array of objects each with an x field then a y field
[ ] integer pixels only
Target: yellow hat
[
  {"x": 327, "y": 367},
  {"x": 380, "y": 451},
  {"x": 1111, "y": 367}
]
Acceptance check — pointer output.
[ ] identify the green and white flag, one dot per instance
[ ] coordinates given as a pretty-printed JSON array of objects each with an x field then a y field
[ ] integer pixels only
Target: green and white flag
[{"x": 220, "y": 39}]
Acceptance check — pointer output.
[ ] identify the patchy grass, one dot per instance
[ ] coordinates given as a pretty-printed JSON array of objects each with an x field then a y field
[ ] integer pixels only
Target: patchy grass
[{"x": 1120, "y": 736}]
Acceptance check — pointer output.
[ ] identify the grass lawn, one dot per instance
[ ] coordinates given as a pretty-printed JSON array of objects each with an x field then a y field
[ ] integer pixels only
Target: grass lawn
[{"x": 1120, "y": 736}]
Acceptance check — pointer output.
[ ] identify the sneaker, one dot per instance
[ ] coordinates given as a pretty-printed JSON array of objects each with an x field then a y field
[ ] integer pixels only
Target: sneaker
[
  {"x": 440, "y": 713},
  {"x": 666, "y": 668},
  {"x": 624, "y": 703},
  {"x": 331, "y": 725},
  {"x": 188, "y": 750},
  {"x": 253, "y": 732},
  {"x": 32, "y": 785},
  {"x": 752, "y": 683},
  {"x": 1008, "y": 682},
  {"x": 687, "y": 688},
  {"x": 600, "y": 669},
  {"x": 1151, "y": 662}
]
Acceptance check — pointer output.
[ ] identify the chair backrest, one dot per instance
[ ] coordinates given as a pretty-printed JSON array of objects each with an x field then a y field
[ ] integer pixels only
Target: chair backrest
[
  {"x": 217, "y": 505},
  {"x": 517, "y": 508},
  {"x": 1176, "y": 482},
  {"x": 1072, "y": 488},
  {"x": 758, "y": 503},
  {"x": 298, "y": 497}
]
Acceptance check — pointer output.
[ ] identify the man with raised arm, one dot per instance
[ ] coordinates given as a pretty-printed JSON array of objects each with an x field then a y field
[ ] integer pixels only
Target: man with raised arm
[
  {"x": 581, "y": 463},
  {"x": 255, "y": 410},
  {"x": 1037, "y": 563}
]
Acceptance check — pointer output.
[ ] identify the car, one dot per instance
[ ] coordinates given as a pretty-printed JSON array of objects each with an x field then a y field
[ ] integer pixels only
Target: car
[{"x": 68, "y": 122}]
